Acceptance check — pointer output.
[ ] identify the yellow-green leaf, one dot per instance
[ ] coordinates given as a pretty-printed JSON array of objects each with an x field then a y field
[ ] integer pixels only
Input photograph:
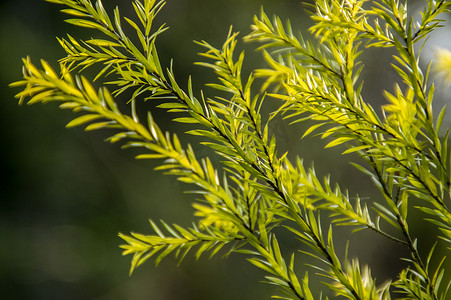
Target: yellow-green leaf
[{"x": 82, "y": 120}]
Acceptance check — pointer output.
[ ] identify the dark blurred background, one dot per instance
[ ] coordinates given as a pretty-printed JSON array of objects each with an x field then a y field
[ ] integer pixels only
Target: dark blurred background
[{"x": 65, "y": 194}]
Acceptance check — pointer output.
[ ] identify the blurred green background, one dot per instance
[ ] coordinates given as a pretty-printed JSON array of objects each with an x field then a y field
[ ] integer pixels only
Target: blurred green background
[{"x": 65, "y": 194}]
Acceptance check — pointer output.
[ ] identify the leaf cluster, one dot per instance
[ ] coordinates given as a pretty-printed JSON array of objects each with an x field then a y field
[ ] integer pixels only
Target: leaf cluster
[{"x": 256, "y": 189}]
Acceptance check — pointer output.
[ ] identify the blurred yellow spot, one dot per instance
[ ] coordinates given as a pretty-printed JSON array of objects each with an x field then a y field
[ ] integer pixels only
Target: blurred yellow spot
[{"x": 442, "y": 65}]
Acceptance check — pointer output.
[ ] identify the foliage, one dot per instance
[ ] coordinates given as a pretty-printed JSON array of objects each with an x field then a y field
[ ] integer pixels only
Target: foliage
[{"x": 256, "y": 190}]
